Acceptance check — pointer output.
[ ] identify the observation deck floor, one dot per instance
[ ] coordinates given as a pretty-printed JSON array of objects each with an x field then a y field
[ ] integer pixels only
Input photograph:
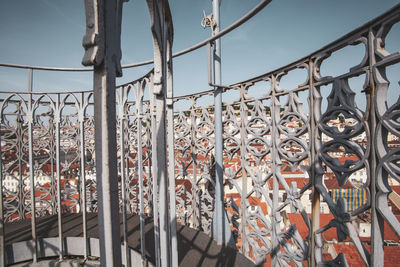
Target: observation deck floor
[{"x": 195, "y": 248}]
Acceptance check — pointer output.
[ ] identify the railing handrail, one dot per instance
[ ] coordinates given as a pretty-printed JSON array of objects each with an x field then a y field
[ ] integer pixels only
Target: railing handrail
[
  {"x": 298, "y": 62},
  {"x": 77, "y": 92},
  {"x": 288, "y": 66},
  {"x": 341, "y": 40},
  {"x": 233, "y": 26}
]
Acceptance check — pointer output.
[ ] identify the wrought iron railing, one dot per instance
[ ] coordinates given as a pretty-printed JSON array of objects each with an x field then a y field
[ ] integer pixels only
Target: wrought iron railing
[
  {"x": 290, "y": 172},
  {"x": 283, "y": 164}
]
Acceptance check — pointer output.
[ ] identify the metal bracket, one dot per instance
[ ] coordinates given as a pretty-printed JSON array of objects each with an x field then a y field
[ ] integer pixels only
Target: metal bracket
[
  {"x": 208, "y": 21},
  {"x": 94, "y": 39}
]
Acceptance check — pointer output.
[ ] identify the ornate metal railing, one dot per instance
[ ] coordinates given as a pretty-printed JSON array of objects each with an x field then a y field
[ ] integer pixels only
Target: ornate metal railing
[
  {"x": 297, "y": 161},
  {"x": 280, "y": 160}
]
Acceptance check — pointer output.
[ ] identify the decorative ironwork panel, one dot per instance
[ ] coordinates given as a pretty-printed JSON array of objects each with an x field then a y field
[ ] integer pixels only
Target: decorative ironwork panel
[
  {"x": 69, "y": 161},
  {"x": 387, "y": 135},
  {"x": 281, "y": 159},
  {"x": 132, "y": 159},
  {"x": 292, "y": 173},
  {"x": 132, "y": 110},
  {"x": 184, "y": 165},
  {"x": 14, "y": 158},
  {"x": 203, "y": 188},
  {"x": 90, "y": 171},
  {"x": 44, "y": 159},
  {"x": 195, "y": 166}
]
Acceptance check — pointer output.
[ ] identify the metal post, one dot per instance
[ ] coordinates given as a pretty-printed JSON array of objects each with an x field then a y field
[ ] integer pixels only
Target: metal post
[
  {"x": 275, "y": 216},
  {"x": 165, "y": 240},
  {"x": 30, "y": 80},
  {"x": 121, "y": 115},
  {"x": 57, "y": 121},
  {"x": 32, "y": 178},
  {"x": 243, "y": 155},
  {"x": 162, "y": 30},
  {"x": 83, "y": 175},
  {"x": 106, "y": 159},
  {"x": 31, "y": 167},
  {"x": 162, "y": 178},
  {"x": 377, "y": 223},
  {"x": 149, "y": 173},
  {"x": 20, "y": 133},
  {"x": 315, "y": 212},
  {"x": 102, "y": 49},
  {"x": 2, "y": 233},
  {"x": 106, "y": 164},
  {"x": 221, "y": 228},
  {"x": 171, "y": 158},
  {"x": 194, "y": 153},
  {"x": 139, "y": 91},
  {"x": 52, "y": 157},
  {"x": 155, "y": 177},
  {"x": 141, "y": 195}
]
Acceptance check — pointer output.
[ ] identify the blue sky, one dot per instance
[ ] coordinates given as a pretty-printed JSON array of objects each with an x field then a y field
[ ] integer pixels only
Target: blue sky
[{"x": 49, "y": 33}]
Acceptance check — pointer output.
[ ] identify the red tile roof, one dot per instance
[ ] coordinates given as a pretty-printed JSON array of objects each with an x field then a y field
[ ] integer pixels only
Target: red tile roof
[
  {"x": 331, "y": 233},
  {"x": 332, "y": 183},
  {"x": 391, "y": 254},
  {"x": 295, "y": 218},
  {"x": 253, "y": 201},
  {"x": 301, "y": 182},
  {"x": 396, "y": 188}
]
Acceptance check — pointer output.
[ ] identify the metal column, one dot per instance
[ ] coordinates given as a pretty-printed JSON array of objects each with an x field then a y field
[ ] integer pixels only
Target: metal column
[
  {"x": 275, "y": 215},
  {"x": 155, "y": 180},
  {"x": 106, "y": 164},
  {"x": 171, "y": 157},
  {"x": 122, "y": 98},
  {"x": 139, "y": 92},
  {"x": 31, "y": 166},
  {"x": 2, "y": 234},
  {"x": 162, "y": 30},
  {"x": 377, "y": 223},
  {"x": 162, "y": 175},
  {"x": 83, "y": 175},
  {"x": 221, "y": 228},
  {"x": 57, "y": 121},
  {"x": 315, "y": 212},
  {"x": 102, "y": 45}
]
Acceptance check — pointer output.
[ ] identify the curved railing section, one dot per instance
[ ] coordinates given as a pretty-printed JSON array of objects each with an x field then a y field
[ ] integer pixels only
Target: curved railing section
[
  {"x": 293, "y": 174},
  {"x": 309, "y": 171},
  {"x": 47, "y": 140}
]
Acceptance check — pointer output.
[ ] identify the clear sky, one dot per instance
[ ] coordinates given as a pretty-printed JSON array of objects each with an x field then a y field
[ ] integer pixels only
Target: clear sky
[{"x": 49, "y": 33}]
